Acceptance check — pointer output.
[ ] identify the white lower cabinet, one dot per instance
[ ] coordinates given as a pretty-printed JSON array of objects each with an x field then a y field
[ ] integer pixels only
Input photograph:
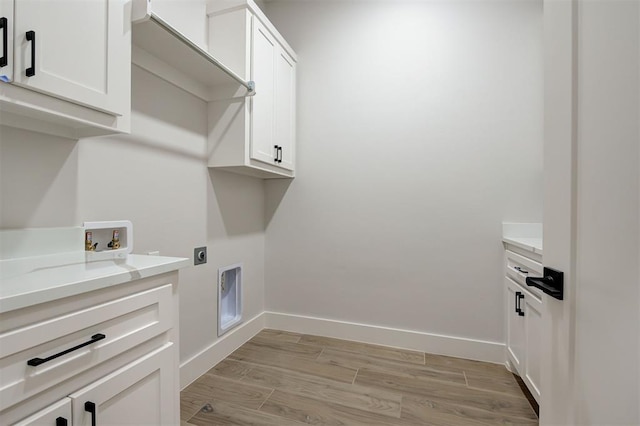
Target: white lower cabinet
[
  {"x": 523, "y": 320},
  {"x": 58, "y": 414},
  {"x": 516, "y": 340},
  {"x": 533, "y": 332},
  {"x": 106, "y": 357},
  {"x": 139, "y": 394}
]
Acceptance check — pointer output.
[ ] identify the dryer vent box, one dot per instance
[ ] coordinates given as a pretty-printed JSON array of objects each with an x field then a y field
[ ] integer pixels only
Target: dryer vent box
[{"x": 229, "y": 297}]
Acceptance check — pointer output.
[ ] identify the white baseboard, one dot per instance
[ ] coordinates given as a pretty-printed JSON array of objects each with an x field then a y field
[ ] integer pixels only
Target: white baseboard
[
  {"x": 459, "y": 347},
  {"x": 200, "y": 363},
  {"x": 425, "y": 342}
]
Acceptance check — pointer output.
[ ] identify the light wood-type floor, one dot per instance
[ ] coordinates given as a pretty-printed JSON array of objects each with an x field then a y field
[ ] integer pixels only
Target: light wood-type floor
[{"x": 281, "y": 379}]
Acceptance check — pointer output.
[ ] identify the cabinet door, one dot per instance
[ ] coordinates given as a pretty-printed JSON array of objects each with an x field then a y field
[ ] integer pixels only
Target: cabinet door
[
  {"x": 515, "y": 326},
  {"x": 80, "y": 51},
  {"x": 6, "y": 40},
  {"x": 262, "y": 104},
  {"x": 533, "y": 331},
  {"x": 144, "y": 392},
  {"x": 285, "y": 107},
  {"x": 58, "y": 414}
]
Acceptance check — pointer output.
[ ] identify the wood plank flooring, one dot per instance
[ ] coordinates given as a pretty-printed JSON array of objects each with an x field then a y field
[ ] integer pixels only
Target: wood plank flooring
[{"x": 280, "y": 379}]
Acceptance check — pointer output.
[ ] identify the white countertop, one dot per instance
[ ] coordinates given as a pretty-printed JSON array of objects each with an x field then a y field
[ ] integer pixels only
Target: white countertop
[
  {"x": 33, "y": 280},
  {"x": 527, "y": 236},
  {"x": 534, "y": 245}
]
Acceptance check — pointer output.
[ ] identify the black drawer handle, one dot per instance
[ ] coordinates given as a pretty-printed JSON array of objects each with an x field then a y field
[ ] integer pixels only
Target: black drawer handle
[
  {"x": 61, "y": 421},
  {"x": 4, "y": 24},
  {"x": 31, "y": 71},
  {"x": 91, "y": 408},
  {"x": 34, "y": 362}
]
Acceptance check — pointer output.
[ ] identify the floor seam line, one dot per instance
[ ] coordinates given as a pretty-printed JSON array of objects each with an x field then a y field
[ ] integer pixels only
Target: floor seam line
[
  {"x": 265, "y": 400},
  {"x": 354, "y": 377}
]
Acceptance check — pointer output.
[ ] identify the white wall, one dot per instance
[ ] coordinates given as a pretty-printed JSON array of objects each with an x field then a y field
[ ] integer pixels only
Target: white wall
[
  {"x": 419, "y": 132},
  {"x": 38, "y": 180},
  {"x": 157, "y": 177},
  {"x": 607, "y": 332}
]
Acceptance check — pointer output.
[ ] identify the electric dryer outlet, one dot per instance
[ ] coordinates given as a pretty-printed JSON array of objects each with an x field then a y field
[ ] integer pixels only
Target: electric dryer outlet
[{"x": 199, "y": 255}]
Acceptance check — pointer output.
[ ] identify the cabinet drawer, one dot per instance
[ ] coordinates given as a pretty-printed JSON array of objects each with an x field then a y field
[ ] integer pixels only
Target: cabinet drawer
[
  {"x": 125, "y": 323},
  {"x": 518, "y": 268},
  {"x": 48, "y": 416}
]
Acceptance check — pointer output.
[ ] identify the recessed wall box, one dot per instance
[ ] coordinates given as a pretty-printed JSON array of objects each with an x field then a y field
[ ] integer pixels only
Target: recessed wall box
[
  {"x": 103, "y": 234},
  {"x": 229, "y": 297}
]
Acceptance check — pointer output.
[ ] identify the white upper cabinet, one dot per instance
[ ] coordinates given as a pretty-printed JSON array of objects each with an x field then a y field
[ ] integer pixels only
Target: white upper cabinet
[
  {"x": 75, "y": 52},
  {"x": 69, "y": 49},
  {"x": 6, "y": 32},
  {"x": 253, "y": 136},
  {"x": 263, "y": 72},
  {"x": 285, "y": 101}
]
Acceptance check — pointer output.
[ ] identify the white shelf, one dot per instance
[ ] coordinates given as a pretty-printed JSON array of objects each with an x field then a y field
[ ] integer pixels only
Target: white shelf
[{"x": 166, "y": 52}]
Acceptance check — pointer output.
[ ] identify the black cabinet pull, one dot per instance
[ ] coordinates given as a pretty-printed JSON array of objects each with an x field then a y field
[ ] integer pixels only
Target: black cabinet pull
[
  {"x": 520, "y": 311},
  {"x": 34, "y": 362},
  {"x": 90, "y": 407},
  {"x": 4, "y": 24},
  {"x": 61, "y": 421},
  {"x": 519, "y": 296},
  {"x": 278, "y": 151},
  {"x": 31, "y": 71},
  {"x": 278, "y": 158}
]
